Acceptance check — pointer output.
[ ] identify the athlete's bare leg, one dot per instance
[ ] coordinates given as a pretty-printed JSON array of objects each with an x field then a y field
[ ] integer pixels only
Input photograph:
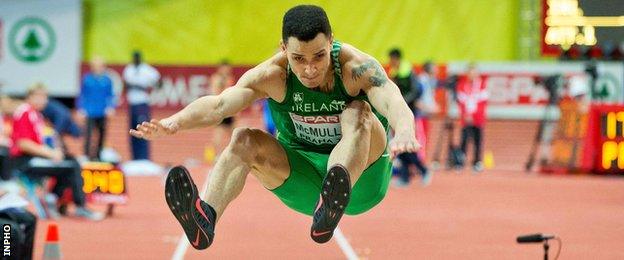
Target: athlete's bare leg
[
  {"x": 363, "y": 140},
  {"x": 250, "y": 150}
]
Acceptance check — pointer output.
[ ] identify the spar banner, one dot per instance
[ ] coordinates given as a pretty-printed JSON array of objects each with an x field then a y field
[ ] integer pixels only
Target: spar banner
[
  {"x": 40, "y": 41},
  {"x": 180, "y": 84},
  {"x": 516, "y": 91}
]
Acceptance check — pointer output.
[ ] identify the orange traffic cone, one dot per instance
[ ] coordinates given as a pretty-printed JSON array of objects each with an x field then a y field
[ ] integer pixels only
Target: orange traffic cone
[{"x": 52, "y": 249}]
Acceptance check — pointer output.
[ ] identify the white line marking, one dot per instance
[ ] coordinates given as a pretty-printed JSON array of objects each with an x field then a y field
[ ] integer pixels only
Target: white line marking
[
  {"x": 183, "y": 243},
  {"x": 344, "y": 245}
]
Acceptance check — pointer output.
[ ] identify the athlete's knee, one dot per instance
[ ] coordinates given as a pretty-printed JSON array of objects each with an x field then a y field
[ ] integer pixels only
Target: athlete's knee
[
  {"x": 360, "y": 106},
  {"x": 247, "y": 142},
  {"x": 244, "y": 140},
  {"x": 358, "y": 115},
  {"x": 245, "y": 137}
]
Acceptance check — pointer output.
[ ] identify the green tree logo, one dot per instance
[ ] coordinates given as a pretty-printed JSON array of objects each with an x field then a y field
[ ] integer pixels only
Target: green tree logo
[
  {"x": 32, "y": 40},
  {"x": 607, "y": 88}
]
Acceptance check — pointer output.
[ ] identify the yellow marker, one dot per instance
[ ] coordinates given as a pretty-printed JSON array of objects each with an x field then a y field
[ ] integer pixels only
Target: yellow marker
[
  {"x": 488, "y": 160},
  {"x": 209, "y": 154}
]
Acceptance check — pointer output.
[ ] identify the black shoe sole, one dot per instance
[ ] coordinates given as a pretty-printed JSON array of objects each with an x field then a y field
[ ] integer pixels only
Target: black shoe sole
[
  {"x": 182, "y": 196},
  {"x": 335, "y": 194}
]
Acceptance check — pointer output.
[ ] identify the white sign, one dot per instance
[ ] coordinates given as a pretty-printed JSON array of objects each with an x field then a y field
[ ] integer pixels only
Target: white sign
[
  {"x": 318, "y": 130},
  {"x": 40, "y": 41}
]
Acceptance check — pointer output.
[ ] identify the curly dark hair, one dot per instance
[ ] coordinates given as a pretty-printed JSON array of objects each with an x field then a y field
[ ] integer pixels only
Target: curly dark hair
[{"x": 304, "y": 22}]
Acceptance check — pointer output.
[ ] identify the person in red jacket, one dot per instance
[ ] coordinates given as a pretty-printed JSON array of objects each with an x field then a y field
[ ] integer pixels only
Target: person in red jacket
[
  {"x": 472, "y": 100},
  {"x": 37, "y": 156}
]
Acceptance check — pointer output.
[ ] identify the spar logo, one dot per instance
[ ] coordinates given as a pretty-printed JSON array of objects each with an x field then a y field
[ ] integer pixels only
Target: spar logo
[
  {"x": 32, "y": 40},
  {"x": 332, "y": 119}
]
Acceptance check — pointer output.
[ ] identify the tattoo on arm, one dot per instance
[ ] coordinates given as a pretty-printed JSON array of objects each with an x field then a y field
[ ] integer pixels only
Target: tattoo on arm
[{"x": 377, "y": 79}]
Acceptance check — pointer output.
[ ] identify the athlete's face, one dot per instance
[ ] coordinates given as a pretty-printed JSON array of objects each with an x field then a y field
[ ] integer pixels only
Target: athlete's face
[{"x": 310, "y": 60}]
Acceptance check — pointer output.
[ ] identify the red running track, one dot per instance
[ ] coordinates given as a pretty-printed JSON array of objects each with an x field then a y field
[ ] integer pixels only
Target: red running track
[{"x": 460, "y": 216}]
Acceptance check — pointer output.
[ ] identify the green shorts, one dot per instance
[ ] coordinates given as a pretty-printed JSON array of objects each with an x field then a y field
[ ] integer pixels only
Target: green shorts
[{"x": 302, "y": 188}]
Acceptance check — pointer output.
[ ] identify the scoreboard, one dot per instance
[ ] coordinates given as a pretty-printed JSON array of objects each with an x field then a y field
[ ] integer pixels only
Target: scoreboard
[
  {"x": 605, "y": 154},
  {"x": 104, "y": 183},
  {"x": 587, "y": 139}
]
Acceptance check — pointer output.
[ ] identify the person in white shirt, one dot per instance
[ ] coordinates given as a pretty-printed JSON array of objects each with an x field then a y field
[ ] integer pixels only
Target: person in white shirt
[
  {"x": 139, "y": 78},
  {"x": 427, "y": 78}
]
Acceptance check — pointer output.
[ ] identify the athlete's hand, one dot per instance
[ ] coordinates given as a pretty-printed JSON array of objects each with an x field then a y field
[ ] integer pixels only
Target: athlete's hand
[
  {"x": 402, "y": 143},
  {"x": 154, "y": 128}
]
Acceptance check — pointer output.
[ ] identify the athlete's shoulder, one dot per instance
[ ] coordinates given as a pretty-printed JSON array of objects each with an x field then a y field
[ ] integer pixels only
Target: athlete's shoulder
[
  {"x": 268, "y": 77},
  {"x": 274, "y": 68},
  {"x": 351, "y": 56},
  {"x": 359, "y": 69}
]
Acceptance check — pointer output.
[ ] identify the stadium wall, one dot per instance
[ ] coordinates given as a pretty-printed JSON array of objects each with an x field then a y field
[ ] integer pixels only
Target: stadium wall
[{"x": 246, "y": 32}]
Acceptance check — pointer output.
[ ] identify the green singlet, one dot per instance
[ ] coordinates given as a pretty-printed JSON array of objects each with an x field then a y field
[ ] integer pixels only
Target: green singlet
[{"x": 308, "y": 128}]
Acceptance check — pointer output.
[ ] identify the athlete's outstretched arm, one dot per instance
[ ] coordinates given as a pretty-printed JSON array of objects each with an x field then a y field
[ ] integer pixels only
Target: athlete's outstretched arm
[
  {"x": 212, "y": 109},
  {"x": 385, "y": 96}
]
